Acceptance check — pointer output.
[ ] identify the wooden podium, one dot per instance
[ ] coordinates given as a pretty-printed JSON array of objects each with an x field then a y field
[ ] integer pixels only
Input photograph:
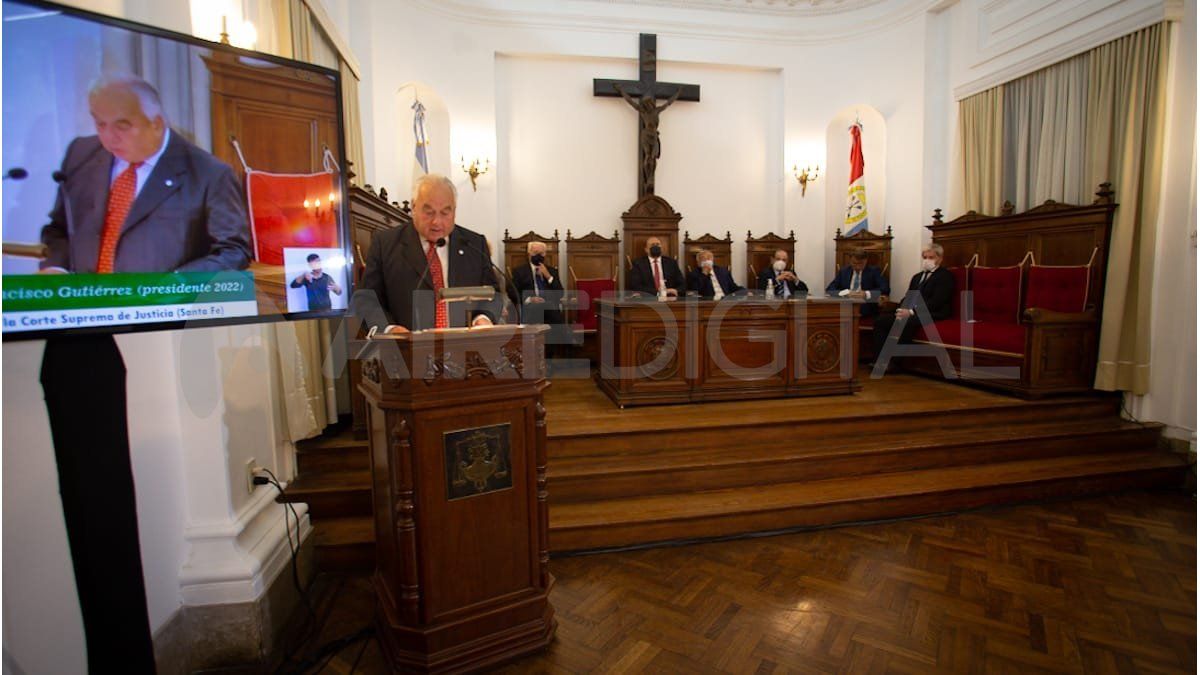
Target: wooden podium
[{"x": 457, "y": 436}]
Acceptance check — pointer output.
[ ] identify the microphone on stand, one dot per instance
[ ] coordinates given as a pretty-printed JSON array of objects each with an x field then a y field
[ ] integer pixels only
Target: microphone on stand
[{"x": 15, "y": 173}]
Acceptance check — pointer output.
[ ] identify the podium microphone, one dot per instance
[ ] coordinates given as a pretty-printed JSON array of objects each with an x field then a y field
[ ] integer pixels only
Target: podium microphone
[{"x": 15, "y": 173}]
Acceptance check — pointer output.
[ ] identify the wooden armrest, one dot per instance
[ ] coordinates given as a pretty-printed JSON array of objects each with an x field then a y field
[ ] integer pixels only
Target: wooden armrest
[
  {"x": 886, "y": 305},
  {"x": 1037, "y": 315}
]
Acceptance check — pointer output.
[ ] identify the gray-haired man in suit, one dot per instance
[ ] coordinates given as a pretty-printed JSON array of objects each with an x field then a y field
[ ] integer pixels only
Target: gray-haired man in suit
[{"x": 137, "y": 197}]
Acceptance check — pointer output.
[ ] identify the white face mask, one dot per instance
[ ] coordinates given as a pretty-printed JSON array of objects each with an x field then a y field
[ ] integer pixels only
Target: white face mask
[
  {"x": 928, "y": 264},
  {"x": 780, "y": 265},
  {"x": 706, "y": 264}
]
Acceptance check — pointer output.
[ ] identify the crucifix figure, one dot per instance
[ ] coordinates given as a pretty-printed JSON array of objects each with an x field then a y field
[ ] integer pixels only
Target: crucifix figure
[{"x": 641, "y": 94}]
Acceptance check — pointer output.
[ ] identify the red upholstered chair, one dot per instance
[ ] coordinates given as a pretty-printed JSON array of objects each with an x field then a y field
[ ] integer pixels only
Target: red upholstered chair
[
  {"x": 1058, "y": 289},
  {"x": 590, "y": 290}
]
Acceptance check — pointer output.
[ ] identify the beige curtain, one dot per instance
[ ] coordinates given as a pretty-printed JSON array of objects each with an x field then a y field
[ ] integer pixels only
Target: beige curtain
[
  {"x": 981, "y": 138},
  {"x": 350, "y": 115},
  {"x": 309, "y": 390},
  {"x": 1044, "y": 123},
  {"x": 1126, "y": 123}
]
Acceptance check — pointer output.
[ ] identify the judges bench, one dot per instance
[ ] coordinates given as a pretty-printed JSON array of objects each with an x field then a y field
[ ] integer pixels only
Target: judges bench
[{"x": 1030, "y": 285}]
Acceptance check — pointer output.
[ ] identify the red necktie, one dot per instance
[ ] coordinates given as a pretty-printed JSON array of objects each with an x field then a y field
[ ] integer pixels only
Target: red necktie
[
  {"x": 657, "y": 276},
  {"x": 120, "y": 199},
  {"x": 441, "y": 318}
]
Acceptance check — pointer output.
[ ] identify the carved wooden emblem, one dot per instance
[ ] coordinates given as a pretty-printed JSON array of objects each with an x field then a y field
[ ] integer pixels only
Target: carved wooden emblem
[
  {"x": 451, "y": 366},
  {"x": 823, "y": 352},
  {"x": 651, "y": 351},
  {"x": 477, "y": 460}
]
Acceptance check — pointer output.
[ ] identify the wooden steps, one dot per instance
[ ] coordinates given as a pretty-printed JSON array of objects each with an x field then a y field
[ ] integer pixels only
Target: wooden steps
[
  {"x": 576, "y": 479},
  {"x": 762, "y": 508},
  {"x": 334, "y": 479},
  {"x": 905, "y": 446}
]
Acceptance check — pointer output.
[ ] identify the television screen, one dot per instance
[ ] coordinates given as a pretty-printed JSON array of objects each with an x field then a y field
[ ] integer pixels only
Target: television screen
[{"x": 153, "y": 180}]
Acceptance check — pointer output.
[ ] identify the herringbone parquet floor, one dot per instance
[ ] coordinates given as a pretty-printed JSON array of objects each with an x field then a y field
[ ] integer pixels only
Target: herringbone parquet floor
[{"x": 1105, "y": 585}]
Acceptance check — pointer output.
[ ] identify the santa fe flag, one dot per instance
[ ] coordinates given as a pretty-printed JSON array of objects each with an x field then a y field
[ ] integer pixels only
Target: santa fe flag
[{"x": 856, "y": 195}]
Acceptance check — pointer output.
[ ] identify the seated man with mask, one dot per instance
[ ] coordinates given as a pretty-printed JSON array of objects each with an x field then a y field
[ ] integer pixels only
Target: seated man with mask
[
  {"x": 709, "y": 280},
  {"x": 655, "y": 273},
  {"x": 539, "y": 287},
  {"x": 778, "y": 281}
]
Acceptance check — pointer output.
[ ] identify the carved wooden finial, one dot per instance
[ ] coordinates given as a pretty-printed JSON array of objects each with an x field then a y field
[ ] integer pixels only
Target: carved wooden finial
[
  {"x": 568, "y": 234},
  {"x": 687, "y": 236},
  {"x": 506, "y": 233},
  {"x": 617, "y": 235},
  {"x": 1007, "y": 208},
  {"x": 383, "y": 194},
  {"x": 405, "y": 207},
  {"x": 937, "y": 216},
  {"x": 728, "y": 236},
  {"x": 748, "y": 235},
  {"x": 889, "y": 230},
  {"x": 838, "y": 234},
  {"x": 556, "y": 237},
  {"x": 792, "y": 235},
  {"x": 1105, "y": 194},
  {"x": 368, "y": 188}
]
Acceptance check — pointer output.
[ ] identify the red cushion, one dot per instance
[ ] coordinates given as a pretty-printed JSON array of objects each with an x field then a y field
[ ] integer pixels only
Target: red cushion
[
  {"x": 591, "y": 290},
  {"x": 999, "y": 337},
  {"x": 962, "y": 281},
  {"x": 1060, "y": 289},
  {"x": 997, "y": 294}
]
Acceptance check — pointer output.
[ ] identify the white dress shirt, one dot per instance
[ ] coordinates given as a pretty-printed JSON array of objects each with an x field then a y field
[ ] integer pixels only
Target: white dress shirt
[{"x": 718, "y": 293}]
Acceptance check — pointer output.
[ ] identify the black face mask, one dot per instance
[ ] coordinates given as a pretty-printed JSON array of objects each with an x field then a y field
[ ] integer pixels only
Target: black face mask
[
  {"x": 655, "y": 251},
  {"x": 537, "y": 259}
]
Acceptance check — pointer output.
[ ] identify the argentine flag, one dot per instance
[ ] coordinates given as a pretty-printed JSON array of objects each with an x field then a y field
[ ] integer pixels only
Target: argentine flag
[{"x": 856, "y": 194}]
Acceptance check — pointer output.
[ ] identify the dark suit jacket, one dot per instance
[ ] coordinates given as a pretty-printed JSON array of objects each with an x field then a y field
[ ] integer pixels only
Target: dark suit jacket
[
  {"x": 641, "y": 277},
  {"x": 768, "y": 275},
  {"x": 395, "y": 268},
  {"x": 545, "y": 312},
  {"x": 190, "y": 215},
  {"x": 937, "y": 292},
  {"x": 699, "y": 282},
  {"x": 871, "y": 280}
]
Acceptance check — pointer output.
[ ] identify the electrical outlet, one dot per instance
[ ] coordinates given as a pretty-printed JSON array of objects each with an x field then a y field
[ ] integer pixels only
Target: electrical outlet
[{"x": 251, "y": 469}]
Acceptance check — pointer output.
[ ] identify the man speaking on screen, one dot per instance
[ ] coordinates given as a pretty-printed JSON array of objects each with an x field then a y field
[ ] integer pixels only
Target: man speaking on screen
[{"x": 137, "y": 197}]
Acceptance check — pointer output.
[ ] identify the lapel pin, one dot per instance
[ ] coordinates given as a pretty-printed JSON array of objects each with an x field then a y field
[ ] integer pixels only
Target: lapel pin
[
  {"x": 170, "y": 182},
  {"x": 460, "y": 251}
]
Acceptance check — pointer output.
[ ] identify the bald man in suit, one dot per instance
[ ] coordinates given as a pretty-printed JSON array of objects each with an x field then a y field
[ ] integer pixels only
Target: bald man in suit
[{"x": 138, "y": 197}]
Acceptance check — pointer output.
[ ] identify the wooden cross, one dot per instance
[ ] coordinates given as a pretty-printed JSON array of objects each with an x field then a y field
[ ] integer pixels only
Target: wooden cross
[{"x": 642, "y": 94}]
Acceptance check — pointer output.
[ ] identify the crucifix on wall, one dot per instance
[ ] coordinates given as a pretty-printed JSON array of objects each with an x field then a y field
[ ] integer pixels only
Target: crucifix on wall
[{"x": 643, "y": 94}]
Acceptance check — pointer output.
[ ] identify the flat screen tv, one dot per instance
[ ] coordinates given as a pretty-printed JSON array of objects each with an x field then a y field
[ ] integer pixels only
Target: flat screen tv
[{"x": 153, "y": 180}]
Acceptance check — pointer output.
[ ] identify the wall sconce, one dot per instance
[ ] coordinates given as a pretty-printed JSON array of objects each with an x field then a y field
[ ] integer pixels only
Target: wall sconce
[
  {"x": 320, "y": 207},
  {"x": 805, "y": 176},
  {"x": 473, "y": 169}
]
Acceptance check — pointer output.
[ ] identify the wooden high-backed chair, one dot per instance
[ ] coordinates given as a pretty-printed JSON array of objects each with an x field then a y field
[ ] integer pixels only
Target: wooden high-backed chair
[
  {"x": 593, "y": 263},
  {"x": 760, "y": 251}
]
